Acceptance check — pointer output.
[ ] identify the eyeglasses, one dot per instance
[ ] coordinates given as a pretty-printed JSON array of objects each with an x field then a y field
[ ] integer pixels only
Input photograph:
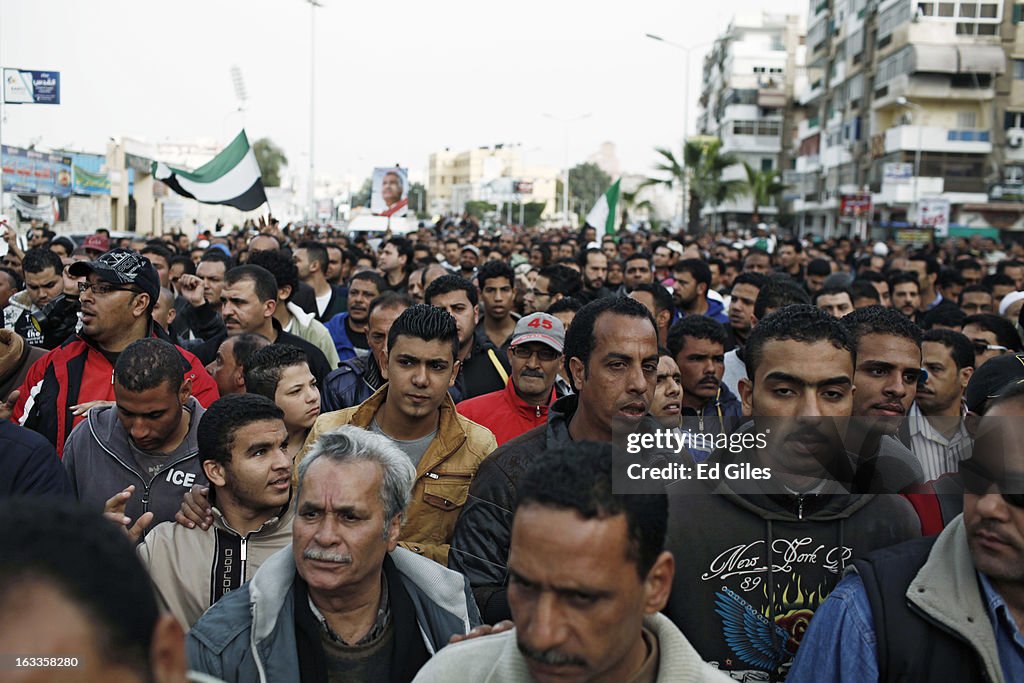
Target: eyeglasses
[
  {"x": 978, "y": 480},
  {"x": 537, "y": 292},
  {"x": 104, "y": 288},
  {"x": 980, "y": 347},
  {"x": 544, "y": 353}
]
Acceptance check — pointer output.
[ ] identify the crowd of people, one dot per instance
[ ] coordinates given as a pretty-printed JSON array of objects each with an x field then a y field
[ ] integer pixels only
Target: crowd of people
[{"x": 293, "y": 454}]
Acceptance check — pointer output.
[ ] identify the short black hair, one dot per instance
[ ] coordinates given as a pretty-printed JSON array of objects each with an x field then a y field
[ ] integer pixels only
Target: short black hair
[
  {"x": 880, "y": 320},
  {"x": 753, "y": 279},
  {"x": 970, "y": 289},
  {"x": 225, "y": 416},
  {"x": 967, "y": 264},
  {"x": 315, "y": 251},
  {"x": 216, "y": 255},
  {"x": 266, "y": 365},
  {"x": 371, "y": 276},
  {"x": 39, "y": 259},
  {"x": 902, "y": 278},
  {"x": 244, "y": 345},
  {"x": 566, "y": 303},
  {"x": 695, "y": 267},
  {"x": 779, "y": 292},
  {"x": 278, "y": 264},
  {"x": 579, "y": 338},
  {"x": 833, "y": 290},
  {"x": 662, "y": 299},
  {"x": 585, "y": 255},
  {"x": 16, "y": 282},
  {"x": 495, "y": 270},
  {"x": 1005, "y": 331},
  {"x": 391, "y": 299},
  {"x": 797, "y": 322},
  {"x": 960, "y": 347},
  {"x": 863, "y": 289},
  {"x": 943, "y": 315},
  {"x": 61, "y": 543},
  {"x": 948, "y": 277},
  {"x": 158, "y": 250},
  {"x": 1008, "y": 263},
  {"x": 996, "y": 279},
  {"x": 578, "y": 477},
  {"x": 931, "y": 263},
  {"x": 451, "y": 283},
  {"x": 797, "y": 245},
  {"x": 190, "y": 266},
  {"x": 819, "y": 267},
  {"x": 697, "y": 327},
  {"x": 871, "y": 276},
  {"x": 263, "y": 281},
  {"x": 148, "y": 363},
  {"x": 638, "y": 256},
  {"x": 562, "y": 280},
  {"x": 428, "y": 323}
]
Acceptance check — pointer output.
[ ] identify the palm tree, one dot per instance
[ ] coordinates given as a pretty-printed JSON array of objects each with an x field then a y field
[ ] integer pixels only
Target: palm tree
[
  {"x": 628, "y": 202},
  {"x": 669, "y": 165},
  {"x": 706, "y": 163},
  {"x": 764, "y": 187}
]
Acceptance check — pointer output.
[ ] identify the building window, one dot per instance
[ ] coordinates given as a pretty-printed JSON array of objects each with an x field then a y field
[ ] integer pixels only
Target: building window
[
  {"x": 945, "y": 9},
  {"x": 969, "y": 9},
  {"x": 966, "y": 119},
  {"x": 1018, "y": 69},
  {"x": 1013, "y": 119},
  {"x": 926, "y": 9}
]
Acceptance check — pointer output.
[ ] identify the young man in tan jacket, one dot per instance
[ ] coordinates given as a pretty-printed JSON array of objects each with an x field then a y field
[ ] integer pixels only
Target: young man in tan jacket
[{"x": 416, "y": 413}]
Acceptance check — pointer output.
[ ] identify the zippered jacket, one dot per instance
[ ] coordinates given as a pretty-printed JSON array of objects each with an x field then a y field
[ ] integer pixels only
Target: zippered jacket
[
  {"x": 194, "y": 568},
  {"x": 99, "y": 462}
]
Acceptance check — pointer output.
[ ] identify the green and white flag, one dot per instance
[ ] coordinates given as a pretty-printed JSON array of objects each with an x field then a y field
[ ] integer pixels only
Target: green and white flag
[
  {"x": 232, "y": 177},
  {"x": 603, "y": 213}
]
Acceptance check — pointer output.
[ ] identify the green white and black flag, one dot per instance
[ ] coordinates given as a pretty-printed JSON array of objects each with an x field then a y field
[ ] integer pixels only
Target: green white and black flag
[{"x": 232, "y": 177}]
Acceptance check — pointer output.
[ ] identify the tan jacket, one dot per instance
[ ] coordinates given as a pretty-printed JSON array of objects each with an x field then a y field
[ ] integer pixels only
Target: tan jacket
[
  {"x": 442, "y": 476},
  {"x": 497, "y": 659},
  {"x": 182, "y": 561}
]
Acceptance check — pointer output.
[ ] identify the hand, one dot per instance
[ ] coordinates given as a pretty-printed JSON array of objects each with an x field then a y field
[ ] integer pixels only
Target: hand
[
  {"x": 191, "y": 287},
  {"x": 10, "y": 237},
  {"x": 195, "y": 508},
  {"x": 83, "y": 408},
  {"x": 484, "y": 630},
  {"x": 7, "y": 407},
  {"x": 113, "y": 510}
]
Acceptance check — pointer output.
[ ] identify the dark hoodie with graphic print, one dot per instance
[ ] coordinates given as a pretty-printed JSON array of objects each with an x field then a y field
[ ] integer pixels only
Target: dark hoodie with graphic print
[{"x": 724, "y": 534}]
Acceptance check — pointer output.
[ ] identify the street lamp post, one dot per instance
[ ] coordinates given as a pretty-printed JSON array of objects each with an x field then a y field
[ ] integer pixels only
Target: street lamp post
[
  {"x": 686, "y": 106},
  {"x": 313, "y": 4},
  {"x": 565, "y": 180},
  {"x": 904, "y": 102}
]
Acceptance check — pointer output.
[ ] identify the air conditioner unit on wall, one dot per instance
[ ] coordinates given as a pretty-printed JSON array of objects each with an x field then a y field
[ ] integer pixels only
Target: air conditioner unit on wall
[{"x": 1015, "y": 138}]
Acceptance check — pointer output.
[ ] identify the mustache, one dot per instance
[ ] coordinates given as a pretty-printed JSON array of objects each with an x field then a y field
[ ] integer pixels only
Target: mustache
[
  {"x": 550, "y": 657},
  {"x": 326, "y": 556},
  {"x": 527, "y": 372}
]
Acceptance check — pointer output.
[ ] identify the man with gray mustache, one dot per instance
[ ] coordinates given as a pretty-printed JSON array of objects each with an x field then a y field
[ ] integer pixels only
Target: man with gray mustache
[{"x": 343, "y": 601}]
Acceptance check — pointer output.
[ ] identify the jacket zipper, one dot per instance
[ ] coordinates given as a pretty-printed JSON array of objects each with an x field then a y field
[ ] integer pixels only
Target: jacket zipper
[{"x": 800, "y": 507}]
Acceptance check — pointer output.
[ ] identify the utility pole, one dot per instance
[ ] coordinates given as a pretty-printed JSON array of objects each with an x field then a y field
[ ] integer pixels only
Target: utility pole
[
  {"x": 313, "y": 4},
  {"x": 565, "y": 179}
]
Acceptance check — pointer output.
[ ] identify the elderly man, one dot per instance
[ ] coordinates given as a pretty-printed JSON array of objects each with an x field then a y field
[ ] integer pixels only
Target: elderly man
[
  {"x": 535, "y": 354},
  {"x": 586, "y": 601},
  {"x": 342, "y": 602}
]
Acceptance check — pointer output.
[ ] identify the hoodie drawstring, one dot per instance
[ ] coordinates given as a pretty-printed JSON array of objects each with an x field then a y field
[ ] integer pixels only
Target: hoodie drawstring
[{"x": 770, "y": 543}]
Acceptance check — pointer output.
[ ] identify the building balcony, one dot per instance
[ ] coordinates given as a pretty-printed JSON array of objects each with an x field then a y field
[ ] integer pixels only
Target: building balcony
[
  {"x": 763, "y": 144},
  {"x": 808, "y": 127},
  {"x": 904, "y": 192},
  {"x": 813, "y": 92},
  {"x": 935, "y": 139},
  {"x": 810, "y": 163},
  {"x": 838, "y": 155}
]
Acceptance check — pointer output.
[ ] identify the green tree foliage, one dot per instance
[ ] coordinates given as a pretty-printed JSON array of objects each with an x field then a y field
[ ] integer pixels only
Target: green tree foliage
[
  {"x": 764, "y": 187},
  {"x": 478, "y": 209},
  {"x": 706, "y": 163},
  {"x": 271, "y": 160},
  {"x": 587, "y": 182},
  {"x": 362, "y": 196},
  {"x": 531, "y": 212}
]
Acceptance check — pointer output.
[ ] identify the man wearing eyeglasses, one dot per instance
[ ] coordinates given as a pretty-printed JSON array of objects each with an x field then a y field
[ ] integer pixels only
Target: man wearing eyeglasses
[
  {"x": 535, "y": 354},
  {"x": 944, "y": 607},
  {"x": 117, "y": 300}
]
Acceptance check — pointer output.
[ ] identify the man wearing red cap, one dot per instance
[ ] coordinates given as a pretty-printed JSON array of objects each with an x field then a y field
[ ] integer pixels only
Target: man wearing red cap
[
  {"x": 118, "y": 296},
  {"x": 535, "y": 354}
]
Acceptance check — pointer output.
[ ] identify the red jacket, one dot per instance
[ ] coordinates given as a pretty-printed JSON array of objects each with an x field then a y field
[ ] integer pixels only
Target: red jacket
[
  {"x": 504, "y": 413},
  {"x": 76, "y": 372}
]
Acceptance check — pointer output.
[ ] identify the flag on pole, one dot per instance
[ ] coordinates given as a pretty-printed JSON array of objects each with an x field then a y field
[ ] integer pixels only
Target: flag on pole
[
  {"x": 603, "y": 213},
  {"x": 232, "y": 177}
]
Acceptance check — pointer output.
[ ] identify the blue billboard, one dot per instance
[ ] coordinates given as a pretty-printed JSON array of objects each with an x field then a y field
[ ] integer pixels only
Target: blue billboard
[{"x": 31, "y": 87}]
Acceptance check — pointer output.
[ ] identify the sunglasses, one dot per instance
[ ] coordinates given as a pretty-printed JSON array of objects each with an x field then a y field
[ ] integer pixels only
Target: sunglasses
[
  {"x": 545, "y": 354},
  {"x": 979, "y": 480},
  {"x": 980, "y": 348}
]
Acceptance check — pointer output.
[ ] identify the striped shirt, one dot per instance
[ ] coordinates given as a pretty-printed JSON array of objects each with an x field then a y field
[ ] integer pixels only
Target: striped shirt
[{"x": 937, "y": 454}]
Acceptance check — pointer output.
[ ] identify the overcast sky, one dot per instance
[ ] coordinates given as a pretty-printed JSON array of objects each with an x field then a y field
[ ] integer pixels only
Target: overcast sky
[{"x": 395, "y": 80}]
